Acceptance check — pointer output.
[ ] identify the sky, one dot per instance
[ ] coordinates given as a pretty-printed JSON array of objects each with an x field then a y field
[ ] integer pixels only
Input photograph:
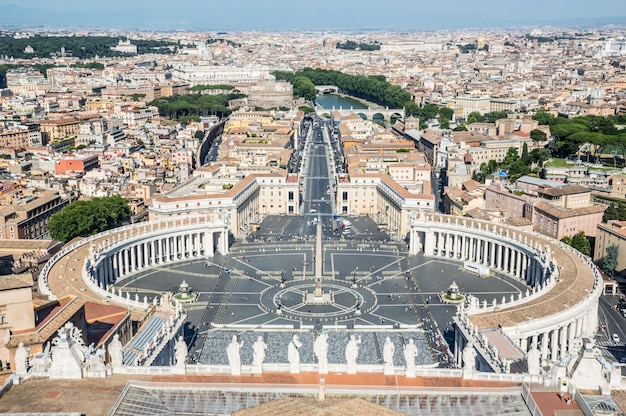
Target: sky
[{"x": 224, "y": 15}]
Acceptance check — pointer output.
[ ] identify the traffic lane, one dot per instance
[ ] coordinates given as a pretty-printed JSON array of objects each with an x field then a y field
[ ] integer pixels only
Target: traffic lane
[{"x": 614, "y": 322}]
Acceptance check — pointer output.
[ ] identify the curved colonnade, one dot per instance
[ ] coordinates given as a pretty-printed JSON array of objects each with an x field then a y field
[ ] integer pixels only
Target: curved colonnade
[
  {"x": 119, "y": 253},
  {"x": 559, "y": 308}
]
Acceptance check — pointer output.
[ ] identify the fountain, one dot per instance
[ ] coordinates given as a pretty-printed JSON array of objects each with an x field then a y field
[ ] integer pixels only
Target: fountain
[
  {"x": 185, "y": 294},
  {"x": 452, "y": 295}
]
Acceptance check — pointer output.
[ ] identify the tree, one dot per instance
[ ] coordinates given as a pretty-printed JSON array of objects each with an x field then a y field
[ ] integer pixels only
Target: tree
[
  {"x": 475, "y": 117},
  {"x": 85, "y": 218},
  {"x": 537, "y": 136},
  {"x": 303, "y": 87},
  {"x": 525, "y": 156},
  {"x": 444, "y": 123},
  {"x": 609, "y": 263},
  {"x": 493, "y": 116},
  {"x": 544, "y": 118},
  {"x": 446, "y": 112},
  {"x": 579, "y": 242},
  {"x": 306, "y": 109}
]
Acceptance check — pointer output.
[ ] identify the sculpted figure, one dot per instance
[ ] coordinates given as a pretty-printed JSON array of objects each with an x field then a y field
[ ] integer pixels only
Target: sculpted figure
[
  {"x": 410, "y": 353},
  {"x": 115, "y": 351},
  {"x": 388, "y": 350},
  {"x": 21, "y": 359},
  {"x": 469, "y": 357},
  {"x": 232, "y": 352},
  {"x": 180, "y": 351},
  {"x": 293, "y": 354},
  {"x": 352, "y": 352},
  {"x": 320, "y": 349},
  {"x": 258, "y": 351}
]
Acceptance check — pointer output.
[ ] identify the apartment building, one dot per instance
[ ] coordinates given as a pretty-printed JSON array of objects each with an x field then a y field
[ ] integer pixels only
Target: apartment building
[
  {"x": 76, "y": 163},
  {"x": 383, "y": 199},
  {"x": 59, "y": 128},
  {"x": 27, "y": 217},
  {"x": 613, "y": 232},
  {"x": 243, "y": 202}
]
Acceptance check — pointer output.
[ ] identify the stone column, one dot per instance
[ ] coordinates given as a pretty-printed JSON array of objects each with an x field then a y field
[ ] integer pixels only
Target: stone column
[
  {"x": 108, "y": 261},
  {"x": 208, "y": 244},
  {"x": 125, "y": 261},
  {"x": 429, "y": 243},
  {"x": 492, "y": 258},
  {"x": 168, "y": 249},
  {"x": 524, "y": 344},
  {"x": 544, "y": 345},
  {"x": 132, "y": 258},
  {"x": 146, "y": 254},
  {"x": 485, "y": 259},
  {"x": 554, "y": 342},
  {"x": 563, "y": 342}
]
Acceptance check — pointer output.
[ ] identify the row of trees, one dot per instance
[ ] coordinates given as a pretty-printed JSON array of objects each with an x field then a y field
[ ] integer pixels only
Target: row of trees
[
  {"x": 374, "y": 88},
  {"x": 195, "y": 105},
  {"x": 600, "y": 133},
  {"x": 83, "y": 47},
  {"x": 85, "y": 218}
]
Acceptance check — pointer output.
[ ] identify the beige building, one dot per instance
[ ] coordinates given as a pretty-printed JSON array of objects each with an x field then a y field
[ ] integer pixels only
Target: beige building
[
  {"x": 612, "y": 233},
  {"x": 27, "y": 217},
  {"x": 383, "y": 199},
  {"x": 57, "y": 129},
  {"x": 243, "y": 202},
  {"x": 558, "y": 222},
  {"x": 16, "y": 309}
]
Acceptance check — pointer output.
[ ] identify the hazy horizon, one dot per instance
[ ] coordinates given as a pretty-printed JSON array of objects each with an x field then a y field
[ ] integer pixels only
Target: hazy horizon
[{"x": 284, "y": 15}]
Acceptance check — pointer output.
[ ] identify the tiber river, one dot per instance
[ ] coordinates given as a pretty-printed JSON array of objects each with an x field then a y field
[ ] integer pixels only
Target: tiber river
[{"x": 327, "y": 101}]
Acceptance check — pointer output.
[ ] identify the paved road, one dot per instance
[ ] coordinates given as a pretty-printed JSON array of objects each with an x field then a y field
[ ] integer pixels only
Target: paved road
[{"x": 317, "y": 193}]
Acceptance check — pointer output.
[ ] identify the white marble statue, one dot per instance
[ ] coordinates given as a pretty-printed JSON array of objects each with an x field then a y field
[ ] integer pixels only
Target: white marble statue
[
  {"x": 469, "y": 357},
  {"x": 258, "y": 351},
  {"x": 94, "y": 366},
  {"x": 410, "y": 354},
  {"x": 21, "y": 360},
  {"x": 115, "y": 351},
  {"x": 68, "y": 353},
  {"x": 234, "y": 360},
  {"x": 320, "y": 349},
  {"x": 352, "y": 353},
  {"x": 533, "y": 359},
  {"x": 41, "y": 362},
  {"x": 293, "y": 354},
  {"x": 180, "y": 351},
  {"x": 388, "y": 351}
]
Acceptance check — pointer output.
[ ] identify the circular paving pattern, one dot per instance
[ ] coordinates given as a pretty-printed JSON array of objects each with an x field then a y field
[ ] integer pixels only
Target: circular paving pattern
[{"x": 295, "y": 300}]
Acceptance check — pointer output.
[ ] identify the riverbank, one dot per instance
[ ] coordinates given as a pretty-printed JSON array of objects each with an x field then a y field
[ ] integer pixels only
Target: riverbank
[{"x": 327, "y": 101}]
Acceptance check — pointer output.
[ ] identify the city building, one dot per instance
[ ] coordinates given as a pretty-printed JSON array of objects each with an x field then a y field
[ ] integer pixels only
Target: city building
[
  {"x": 611, "y": 233},
  {"x": 27, "y": 217}
]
